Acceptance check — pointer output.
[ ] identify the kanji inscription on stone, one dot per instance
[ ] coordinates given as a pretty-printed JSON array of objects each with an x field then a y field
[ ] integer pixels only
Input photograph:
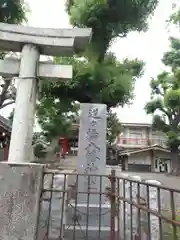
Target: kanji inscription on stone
[{"x": 92, "y": 146}]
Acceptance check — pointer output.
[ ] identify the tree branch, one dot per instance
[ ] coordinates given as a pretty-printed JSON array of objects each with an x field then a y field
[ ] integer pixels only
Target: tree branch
[
  {"x": 177, "y": 118},
  {"x": 160, "y": 93},
  {"x": 164, "y": 111},
  {"x": 6, "y": 104}
]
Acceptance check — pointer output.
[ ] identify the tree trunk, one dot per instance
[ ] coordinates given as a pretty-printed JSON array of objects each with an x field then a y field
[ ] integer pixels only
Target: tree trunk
[{"x": 175, "y": 162}]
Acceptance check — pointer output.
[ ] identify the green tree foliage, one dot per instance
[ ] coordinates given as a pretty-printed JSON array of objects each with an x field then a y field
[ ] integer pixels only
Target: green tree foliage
[
  {"x": 172, "y": 57},
  {"x": 113, "y": 127},
  {"x": 36, "y": 136},
  {"x": 165, "y": 107},
  {"x": 109, "y": 19},
  {"x": 11, "y": 116},
  {"x": 56, "y": 118},
  {"x": 98, "y": 77},
  {"x": 13, "y": 12},
  {"x": 109, "y": 82},
  {"x": 39, "y": 151},
  {"x": 175, "y": 16}
]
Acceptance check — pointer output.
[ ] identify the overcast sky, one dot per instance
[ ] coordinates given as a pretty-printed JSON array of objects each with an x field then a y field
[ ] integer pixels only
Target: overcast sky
[{"x": 148, "y": 47}]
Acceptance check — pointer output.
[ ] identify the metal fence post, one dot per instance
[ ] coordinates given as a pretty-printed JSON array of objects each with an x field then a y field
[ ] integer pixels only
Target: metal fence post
[{"x": 113, "y": 204}]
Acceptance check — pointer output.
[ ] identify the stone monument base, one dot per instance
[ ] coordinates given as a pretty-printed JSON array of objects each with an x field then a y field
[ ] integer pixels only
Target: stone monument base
[
  {"x": 81, "y": 233},
  {"x": 88, "y": 221}
]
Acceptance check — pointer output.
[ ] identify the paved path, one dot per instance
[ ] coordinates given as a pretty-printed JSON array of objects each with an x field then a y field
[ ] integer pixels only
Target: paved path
[
  {"x": 168, "y": 181},
  {"x": 70, "y": 164},
  {"x": 164, "y": 179}
]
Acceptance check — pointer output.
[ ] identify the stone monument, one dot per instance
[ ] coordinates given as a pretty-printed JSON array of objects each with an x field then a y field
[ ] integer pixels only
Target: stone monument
[
  {"x": 91, "y": 150},
  {"x": 91, "y": 212},
  {"x": 32, "y": 42}
]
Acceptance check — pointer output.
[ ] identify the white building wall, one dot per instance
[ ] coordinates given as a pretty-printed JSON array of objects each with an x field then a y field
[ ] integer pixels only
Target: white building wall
[
  {"x": 125, "y": 132},
  {"x": 162, "y": 154},
  {"x": 159, "y": 138},
  {"x": 128, "y": 130},
  {"x": 133, "y": 137},
  {"x": 140, "y": 158},
  {"x": 160, "y": 163},
  {"x": 141, "y": 136}
]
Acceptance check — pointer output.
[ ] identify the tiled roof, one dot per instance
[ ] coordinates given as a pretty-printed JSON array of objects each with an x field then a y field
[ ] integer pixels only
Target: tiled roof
[
  {"x": 153, "y": 147},
  {"x": 136, "y": 124}
]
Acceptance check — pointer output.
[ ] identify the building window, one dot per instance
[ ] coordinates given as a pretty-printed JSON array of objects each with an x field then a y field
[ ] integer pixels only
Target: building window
[
  {"x": 158, "y": 138},
  {"x": 136, "y": 137},
  {"x": 135, "y": 134}
]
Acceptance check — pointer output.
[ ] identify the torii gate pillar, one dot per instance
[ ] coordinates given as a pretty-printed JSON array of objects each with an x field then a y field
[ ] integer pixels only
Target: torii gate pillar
[
  {"x": 32, "y": 42},
  {"x": 22, "y": 129}
]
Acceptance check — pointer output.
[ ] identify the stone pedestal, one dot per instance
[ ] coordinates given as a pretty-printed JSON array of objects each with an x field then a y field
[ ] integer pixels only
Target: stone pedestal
[
  {"x": 20, "y": 190},
  {"x": 92, "y": 220},
  {"x": 97, "y": 215}
]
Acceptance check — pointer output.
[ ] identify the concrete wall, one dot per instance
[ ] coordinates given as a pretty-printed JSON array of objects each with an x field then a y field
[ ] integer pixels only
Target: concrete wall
[{"x": 20, "y": 189}]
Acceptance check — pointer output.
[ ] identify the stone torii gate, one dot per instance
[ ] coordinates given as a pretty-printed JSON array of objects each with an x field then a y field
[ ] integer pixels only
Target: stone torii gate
[{"x": 32, "y": 42}]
